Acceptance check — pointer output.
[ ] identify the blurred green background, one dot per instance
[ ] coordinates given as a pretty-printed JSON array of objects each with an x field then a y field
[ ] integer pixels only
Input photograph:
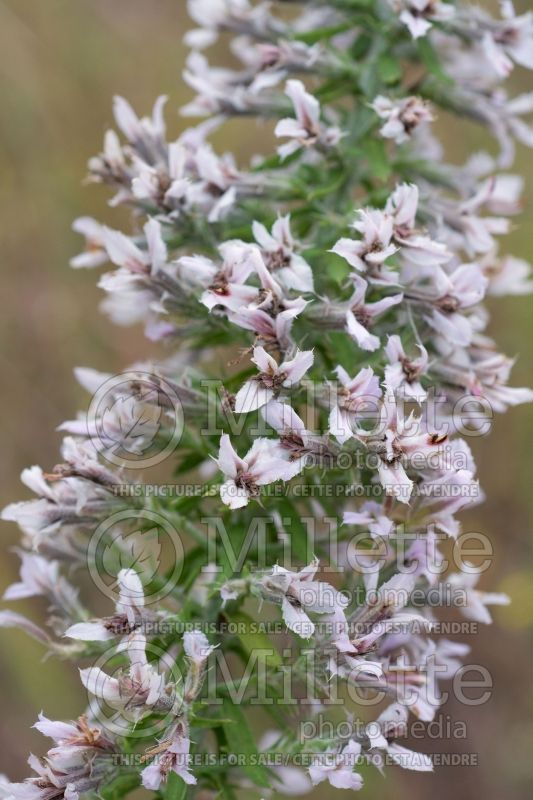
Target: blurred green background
[{"x": 61, "y": 61}]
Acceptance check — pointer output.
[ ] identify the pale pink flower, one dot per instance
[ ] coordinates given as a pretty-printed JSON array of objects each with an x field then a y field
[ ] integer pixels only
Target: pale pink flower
[
  {"x": 306, "y": 130},
  {"x": 287, "y": 779},
  {"x": 472, "y": 232},
  {"x": 368, "y": 255},
  {"x": 355, "y": 397},
  {"x": 272, "y": 327},
  {"x": 278, "y": 249},
  {"x": 41, "y": 577},
  {"x": 300, "y": 594},
  {"x": 303, "y": 448},
  {"x": 417, "y": 249},
  {"x": 360, "y": 315},
  {"x": 95, "y": 253},
  {"x": 476, "y": 600},
  {"x": 10, "y": 619},
  {"x": 460, "y": 290},
  {"x": 137, "y": 692},
  {"x": 402, "y": 116},
  {"x": 396, "y": 440},
  {"x": 424, "y": 557},
  {"x": 446, "y": 493},
  {"x": 175, "y": 758},
  {"x": 129, "y": 612},
  {"x": 507, "y": 275},
  {"x": 216, "y": 15},
  {"x": 264, "y": 463},
  {"x": 338, "y": 768},
  {"x": 509, "y": 41},
  {"x": 418, "y": 15},
  {"x": 134, "y": 288},
  {"x": 403, "y": 371},
  {"x": 224, "y": 284},
  {"x": 75, "y": 741},
  {"x": 197, "y": 647},
  {"x": 76, "y": 495},
  {"x": 272, "y": 379},
  {"x": 169, "y": 187},
  {"x": 382, "y": 735},
  {"x": 78, "y": 763},
  {"x": 384, "y": 613},
  {"x": 371, "y": 515}
]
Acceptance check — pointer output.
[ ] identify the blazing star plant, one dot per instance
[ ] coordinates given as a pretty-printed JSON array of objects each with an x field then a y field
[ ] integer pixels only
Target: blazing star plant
[{"x": 327, "y": 369}]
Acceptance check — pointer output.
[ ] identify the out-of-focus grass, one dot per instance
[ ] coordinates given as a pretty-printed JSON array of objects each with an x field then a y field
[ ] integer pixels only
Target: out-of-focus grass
[{"x": 60, "y": 63}]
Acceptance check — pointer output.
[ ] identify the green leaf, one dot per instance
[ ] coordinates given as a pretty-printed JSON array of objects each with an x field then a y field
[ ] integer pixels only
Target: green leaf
[
  {"x": 378, "y": 161},
  {"x": 430, "y": 59},
  {"x": 253, "y": 640},
  {"x": 319, "y": 34},
  {"x": 296, "y": 530},
  {"x": 175, "y": 788},
  {"x": 240, "y": 741},
  {"x": 209, "y": 722},
  {"x": 389, "y": 68},
  {"x": 189, "y": 462},
  {"x": 338, "y": 269},
  {"x": 225, "y": 791},
  {"x": 120, "y": 787},
  {"x": 193, "y": 562}
]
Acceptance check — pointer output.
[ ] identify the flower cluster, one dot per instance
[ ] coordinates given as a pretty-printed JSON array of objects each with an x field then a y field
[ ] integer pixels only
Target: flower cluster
[{"x": 325, "y": 310}]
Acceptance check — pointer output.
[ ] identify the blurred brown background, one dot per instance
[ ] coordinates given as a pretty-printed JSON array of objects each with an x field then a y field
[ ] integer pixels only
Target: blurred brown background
[{"x": 60, "y": 63}]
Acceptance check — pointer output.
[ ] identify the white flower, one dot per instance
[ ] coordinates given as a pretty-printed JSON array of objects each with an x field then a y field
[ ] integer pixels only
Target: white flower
[
  {"x": 174, "y": 758},
  {"x": 369, "y": 254},
  {"x": 382, "y": 734},
  {"x": 302, "y": 447},
  {"x": 264, "y": 463},
  {"x": 306, "y": 130},
  {"x": 134, "y": 693},
  {"x": 128, "y": 616},
  {"x": 135, "y": 288},
  {"x": 507, "y": 275},
  {"x": 299, "y": 593},
  {"x": 216, "y": 15},
  {"x": 417, "y": 249},
  {"x": 397, "y": 440},
  {"x": 146, "y": 134},
  {"x": 41, "y": 577},
  {"x": 286, "y": 779},
  {"x": 476, "y": 600},
  {"x": 372, "y": 516},
  {"x": 338, "y": 768},
  {"x": 95, "y": 253},
  {"x": 272, "y": 327},
  {"x": 403, "y": 371},
  {"x": 402, "y": 116},
  {"x": 77, "y": 763},
  {"x": 463, "y": 288},
  {"x": 510, "y": 40},
  {"x": 272, "y": 378},
  {"x": 360, "y": 315},
  {"x": 77, "y": 494},
  {"x": 418, "y": 15},
  {"x": 223, "y": 91},
  {"x": 197, "y": 647},
  {"x": 278, "y": 249},
  {"x": 225, "y": 285},
  {"x": 355, "y": 397}
]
